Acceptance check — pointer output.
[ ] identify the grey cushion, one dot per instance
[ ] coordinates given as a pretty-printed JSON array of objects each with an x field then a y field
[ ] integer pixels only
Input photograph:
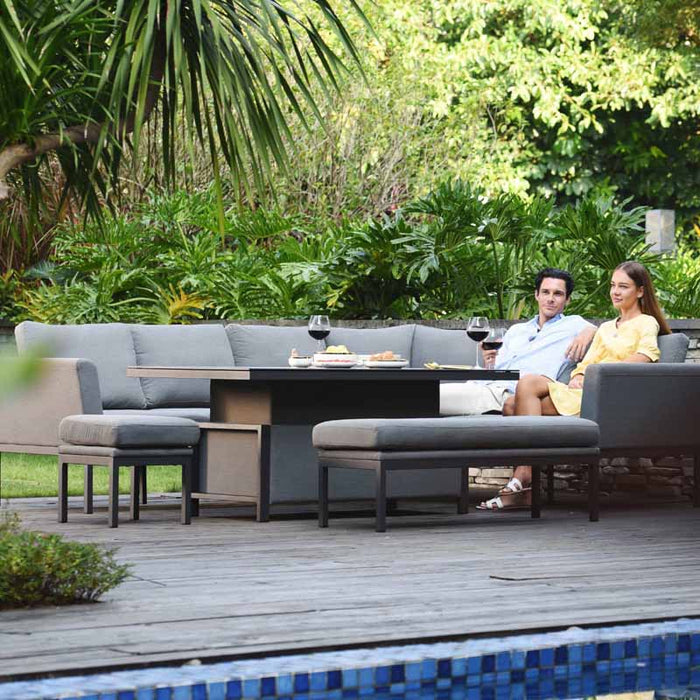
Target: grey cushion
[
  {"x": 200, "y": 414},
  {"x": 202, "y": 345},
  {"x": 448, "y": 347},
  {"x": 268, "y": 346},
  {"x": 141, "y": 452},
  {"x": 370, "y": 340},
  {"x": 456, "y": 433},
  {"x": 108, "y": 345},
  {"x": 674, "y": 347},
  {"x": 128, "y": 431}
]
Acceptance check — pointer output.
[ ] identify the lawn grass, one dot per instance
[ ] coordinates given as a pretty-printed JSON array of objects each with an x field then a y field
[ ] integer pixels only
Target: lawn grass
[{"x": 26, "y": 476}]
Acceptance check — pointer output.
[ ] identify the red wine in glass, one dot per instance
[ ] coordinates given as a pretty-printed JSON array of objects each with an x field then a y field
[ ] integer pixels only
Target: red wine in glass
[
  {"x": 318, "y": 334},
  {"x": 492, "y": 344},
  {"x": 319, "y": 328},
  {"x": 477, "y": 334}
]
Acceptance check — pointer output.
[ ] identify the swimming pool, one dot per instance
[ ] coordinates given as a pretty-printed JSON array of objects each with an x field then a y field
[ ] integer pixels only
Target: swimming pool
[{"x": 564, "y": 664}]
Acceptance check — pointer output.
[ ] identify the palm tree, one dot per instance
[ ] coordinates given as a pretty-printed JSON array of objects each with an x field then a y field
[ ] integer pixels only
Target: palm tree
[{"x": 81, "y": 78}]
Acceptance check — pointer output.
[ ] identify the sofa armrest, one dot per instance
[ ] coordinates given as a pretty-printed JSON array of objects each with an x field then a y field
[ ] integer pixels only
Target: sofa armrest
[
  {"x": 64, "y": 387},
  {"x": 644, "y": 406}
]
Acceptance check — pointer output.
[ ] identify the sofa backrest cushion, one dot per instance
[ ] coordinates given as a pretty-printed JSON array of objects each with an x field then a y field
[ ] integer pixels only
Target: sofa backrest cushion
[
  {"x": 203, "y": 345},
  {"x": 447, "y": 347},
  {"x": 109, "y": 345},
  {"x": 674, "y": 347},
  {"x": 268, "y": 346},
  {"x": 366, "y": 341}
]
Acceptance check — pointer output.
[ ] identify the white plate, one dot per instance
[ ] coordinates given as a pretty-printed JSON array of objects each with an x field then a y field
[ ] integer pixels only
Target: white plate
[
  {"x": 386, "y": 363},
  {"x": 334, "y": 365}
]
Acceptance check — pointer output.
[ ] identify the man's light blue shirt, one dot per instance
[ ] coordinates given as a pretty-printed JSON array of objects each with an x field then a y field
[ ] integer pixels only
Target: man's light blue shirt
[{"x": 535, "y": 350}]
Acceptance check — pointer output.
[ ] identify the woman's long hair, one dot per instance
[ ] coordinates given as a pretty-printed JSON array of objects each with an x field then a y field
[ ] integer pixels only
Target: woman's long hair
[{"x": 648, "y": 303}]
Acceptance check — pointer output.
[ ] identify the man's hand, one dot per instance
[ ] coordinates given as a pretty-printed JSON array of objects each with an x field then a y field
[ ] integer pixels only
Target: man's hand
[
  {"x": 489, "y": 356},
  {"x": 579, "y": 345},
  {"x": 576, "y": 382}
]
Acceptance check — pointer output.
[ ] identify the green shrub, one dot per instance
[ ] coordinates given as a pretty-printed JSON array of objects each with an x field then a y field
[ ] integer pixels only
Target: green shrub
[{"x": 39, "y": 569}]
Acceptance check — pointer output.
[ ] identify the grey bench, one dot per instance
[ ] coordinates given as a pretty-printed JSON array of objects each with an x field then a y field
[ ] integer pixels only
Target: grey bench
[
  {"x": 382, "y": 446},
  {"x": 126, "y": 441}
]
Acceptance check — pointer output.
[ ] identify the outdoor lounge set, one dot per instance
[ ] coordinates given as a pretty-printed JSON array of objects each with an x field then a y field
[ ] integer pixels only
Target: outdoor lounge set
[{"x": 88, "y": 410}]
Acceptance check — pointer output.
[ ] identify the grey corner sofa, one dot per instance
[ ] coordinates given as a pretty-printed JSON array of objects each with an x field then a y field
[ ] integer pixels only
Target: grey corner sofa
[{"x": 86, "y": 374}]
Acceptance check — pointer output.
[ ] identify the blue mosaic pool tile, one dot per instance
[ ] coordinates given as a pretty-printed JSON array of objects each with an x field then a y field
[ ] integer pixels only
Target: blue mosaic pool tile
[
  {"x": 488, "y": 677},
  {"x": 444, "y": 668},
  {"x": 561, "y": 688},
  {"x": 588, "y": 685},
  {"x": 643, "y": 647},
  {"x": 503, "y": 661},
  {"x": 616, "y": 666},
  {"x": 532, "y": 690},
  {"x": 517, "y": 675},
  {"x": 547, "y": 657},
  {"x": 547, "y": 674},
  {"x": 532, "y": 658},
  {"x": 589, "y": 652},
  {"x": 630, "y": 665},
  {"x": 561, "y": 655},
  {"x": 657, "y": 646},
  {"x": 532, "y": 674},
  {"x": 603, "y": 651},
  {"x": 285, "y": 684},
  {"x": 617, "y": 650},
  {"x": 474, "y": 680},
  {"x": 695, "y": 676},
  {"x": 443, "y": 683},
  {"x": 473, "y": 665},
  {"x": 517, "y": 691},
  {"x": 428, "y": 669},
  {"x": 630, "y": 648},
  {"x": 301, "y": 683},
  {"x": 126, "y": 695},
  {"x": 161, "y": 694},
  {"x": 670, "y": 643},
  {"x": 488, "y": 663},
  {"x": 695, "y": 642},
  {"x": 503, "y": 677},
  {"x": 695, "y": 659},
  {"x": 575, "y": 687},
  {"x": 575, "y": 669},
  {"x": 561, "y": 671},
  {"x": 517, "y": 660},
  {"x": 150, "y": 693},
  {"x": 413, "y": 672},
  {"x": 683, "y": 676},
  {"x": 251, "y": 688},
  {"x": 488, "y": 693},
  {"x": 459, "y": 667},
  {"x": 234, "y": 690},
  {"x": 113, "y": 696},
  {"x": 617, "y": 682},
  {"x": 656, "y": 663},
  {"x": 318, "y": 680},
  {"x": 603, "y": 667},
  {"x": 366, "y": 677},
  {"x": 683, "y": 642}
]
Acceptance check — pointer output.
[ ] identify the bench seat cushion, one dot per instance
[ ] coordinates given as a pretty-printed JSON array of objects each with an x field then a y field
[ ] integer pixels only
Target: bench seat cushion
[
  {"x": 199, "y": 414},
  {"x": 128, "y": 431},
  {"x": 456, "y": 433}
]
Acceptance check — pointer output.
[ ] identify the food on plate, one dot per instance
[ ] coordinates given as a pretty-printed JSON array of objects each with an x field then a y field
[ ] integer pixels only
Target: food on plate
[
  {"x": 337, "y": 350},
  {"x": 295, "y": 353},
  {"x": 386, "y": 356}
]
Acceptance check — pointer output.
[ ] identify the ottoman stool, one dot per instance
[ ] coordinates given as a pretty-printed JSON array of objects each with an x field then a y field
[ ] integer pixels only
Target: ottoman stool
[
  {"x": 383, "y": 445},
  {"x": 126, "y": 441}
]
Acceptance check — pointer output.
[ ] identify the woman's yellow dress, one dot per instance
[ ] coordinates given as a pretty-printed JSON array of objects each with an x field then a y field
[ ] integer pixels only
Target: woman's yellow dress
[{"x": 611, "y": 343}]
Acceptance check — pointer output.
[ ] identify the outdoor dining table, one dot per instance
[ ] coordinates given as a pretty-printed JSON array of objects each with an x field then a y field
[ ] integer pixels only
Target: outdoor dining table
[{"x": 262, "y": 417}]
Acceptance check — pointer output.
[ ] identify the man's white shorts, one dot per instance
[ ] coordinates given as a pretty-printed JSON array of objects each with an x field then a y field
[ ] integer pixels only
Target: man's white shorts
[{"x": 472, "y": 398}]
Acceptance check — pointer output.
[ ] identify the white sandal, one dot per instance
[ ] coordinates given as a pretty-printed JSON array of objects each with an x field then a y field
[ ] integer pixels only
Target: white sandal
[
  {"x": 496, "y": 504},
  {"x": 514, "y": 486}
]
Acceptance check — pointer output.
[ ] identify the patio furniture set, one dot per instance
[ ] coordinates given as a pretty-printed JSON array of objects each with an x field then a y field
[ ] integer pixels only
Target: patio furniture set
[{"x": 220, "y": 402}]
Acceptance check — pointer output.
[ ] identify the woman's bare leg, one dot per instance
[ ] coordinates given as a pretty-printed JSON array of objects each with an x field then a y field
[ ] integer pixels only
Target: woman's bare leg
[{"x": 531, "y": 399}]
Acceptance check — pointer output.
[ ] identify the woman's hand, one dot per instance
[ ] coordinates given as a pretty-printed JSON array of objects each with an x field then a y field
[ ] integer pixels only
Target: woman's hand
[{"x": 576, "y": 382}]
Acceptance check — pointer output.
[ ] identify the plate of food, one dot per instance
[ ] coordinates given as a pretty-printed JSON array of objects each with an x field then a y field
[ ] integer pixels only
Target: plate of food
[
  {"x": 297, "y": 360},
  {"x": 335, "y": 356},
  {"x": 386, "y": 360}
]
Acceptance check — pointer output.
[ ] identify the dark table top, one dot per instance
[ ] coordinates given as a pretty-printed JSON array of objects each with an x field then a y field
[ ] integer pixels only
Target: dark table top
[{"x": 354, "y": 374}]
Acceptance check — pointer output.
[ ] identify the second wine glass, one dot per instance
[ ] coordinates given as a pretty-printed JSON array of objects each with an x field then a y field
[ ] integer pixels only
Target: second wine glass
[
  {"x": 319, "y": 328},
  {"x": 478, "y": 330}
]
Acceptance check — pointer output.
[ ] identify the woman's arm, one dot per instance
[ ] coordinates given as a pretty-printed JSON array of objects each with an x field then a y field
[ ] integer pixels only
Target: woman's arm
[{"x": 638, "y": 357}]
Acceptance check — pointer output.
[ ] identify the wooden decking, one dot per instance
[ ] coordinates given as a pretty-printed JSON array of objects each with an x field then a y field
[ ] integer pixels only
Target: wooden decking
[{"x": 227, "y": 586}]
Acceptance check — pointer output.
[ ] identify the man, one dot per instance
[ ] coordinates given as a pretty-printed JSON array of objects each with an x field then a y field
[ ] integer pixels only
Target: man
[{"x": 543, "y": 345}]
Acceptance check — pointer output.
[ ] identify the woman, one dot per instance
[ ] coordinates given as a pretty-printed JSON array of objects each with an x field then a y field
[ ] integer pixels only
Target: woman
[{"x": 631, "y": 337}]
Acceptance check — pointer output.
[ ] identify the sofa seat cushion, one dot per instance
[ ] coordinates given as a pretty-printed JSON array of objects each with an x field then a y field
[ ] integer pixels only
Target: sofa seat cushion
[
  {"x": 444, "y": 346},
  {"x": 199, "y": 414},
  {"x": 456, "y": 433},
  {"x": 109, "y": 345},
  {"x": 203, "y": 345},
  {"x": 128, "y": 431},
  {"x": 268, "y": 346}
]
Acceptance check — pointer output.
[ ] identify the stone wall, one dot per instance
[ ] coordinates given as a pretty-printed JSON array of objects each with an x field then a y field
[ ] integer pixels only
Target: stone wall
[{"x": 663, "y": 477}]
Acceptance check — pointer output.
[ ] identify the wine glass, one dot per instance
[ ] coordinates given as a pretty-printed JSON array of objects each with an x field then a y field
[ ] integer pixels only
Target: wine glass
[
  {"x": 478, "y": 330},
  {"x": 319, "y": 328},
  {"x": 494, "y": 340}
]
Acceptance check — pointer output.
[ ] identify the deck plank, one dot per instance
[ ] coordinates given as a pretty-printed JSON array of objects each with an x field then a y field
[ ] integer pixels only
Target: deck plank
[{"x": 227, "y": 586}]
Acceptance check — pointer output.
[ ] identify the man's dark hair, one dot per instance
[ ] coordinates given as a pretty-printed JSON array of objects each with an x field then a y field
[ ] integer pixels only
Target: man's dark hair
[{"x": 557, "y": 274}]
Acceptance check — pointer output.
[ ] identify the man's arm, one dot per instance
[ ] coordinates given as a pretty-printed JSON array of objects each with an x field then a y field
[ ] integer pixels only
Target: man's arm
[{"x": 578, "y": 346}]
